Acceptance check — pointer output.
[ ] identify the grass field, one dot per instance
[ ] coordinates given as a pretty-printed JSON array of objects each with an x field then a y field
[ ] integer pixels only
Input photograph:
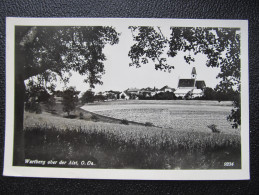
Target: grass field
[
  {"x": 114, "y": 145},
  {"x": 177, "y": 115}
]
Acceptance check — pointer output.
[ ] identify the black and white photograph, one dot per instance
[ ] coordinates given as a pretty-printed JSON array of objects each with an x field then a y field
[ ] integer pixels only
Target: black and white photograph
[{"x": 158, "y": 99}]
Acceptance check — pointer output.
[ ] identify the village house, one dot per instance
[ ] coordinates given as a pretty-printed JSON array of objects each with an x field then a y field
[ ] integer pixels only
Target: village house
[
  {"x": 132, "y": 93},
  {"x": 167, "y": 89},
  {"x": 124, "y": 95},
  {"x": 147, "y": 92},
  {"x": 133, "y": 90},
  {"x": 195, "y": 87},
  {"x": 111, "y": 95},
  {"x": 154, "y": 91},
  {"x": 151, "y": 92}
]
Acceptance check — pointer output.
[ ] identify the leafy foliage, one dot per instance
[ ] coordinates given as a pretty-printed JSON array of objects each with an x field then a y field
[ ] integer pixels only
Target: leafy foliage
[
  {"x": 45, "y": 53},
  {"x": 36, "y": 91},
  {"x": 222, "y": 48},
  {"x": 220, "y": 45},
  {"x": 99, "y": 97},
  {"x": 56, "y": 51},
  {"x": 159, "y": 96},
  {"x": 94, "y": 118},
  {"x": 188, "y": 95},
  {"x": 124, "y": 122},
  {"x": 33, "y": 106},
  {"x": 150, "y": 44},
  {"x": 235, "y": 115},
  {"x": 214, "y": 128},
  {"x": 149, "y": 124},
  {"x": 87, "y": 97},
  {"x": 81, "y": 115},
  {"x": 70, "y": 100},
  {"x": 34, "y": 95}
]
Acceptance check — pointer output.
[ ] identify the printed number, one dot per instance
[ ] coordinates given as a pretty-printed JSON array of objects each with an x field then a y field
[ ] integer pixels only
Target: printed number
[{"x": 228, "y": 164}]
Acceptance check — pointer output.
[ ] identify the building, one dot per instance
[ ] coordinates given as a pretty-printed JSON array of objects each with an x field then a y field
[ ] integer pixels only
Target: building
[
  {"x": 192, "y": 86},
  {"x": 111, "y": 95},
  {"x": 167, "y": 89},
  {"x": 148, "y": 92},
  {"x": 133, "y": 90},
  {"x": 132, "y": 93},
  {"x": 124, "y": 95}
]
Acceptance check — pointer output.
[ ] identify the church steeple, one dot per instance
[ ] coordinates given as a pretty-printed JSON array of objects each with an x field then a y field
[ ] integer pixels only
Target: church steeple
[{"x": 194, "y": 73}]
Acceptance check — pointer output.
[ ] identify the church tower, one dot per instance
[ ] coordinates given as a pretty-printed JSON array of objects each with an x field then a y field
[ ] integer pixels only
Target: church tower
[{"x": 194, "y": 73}]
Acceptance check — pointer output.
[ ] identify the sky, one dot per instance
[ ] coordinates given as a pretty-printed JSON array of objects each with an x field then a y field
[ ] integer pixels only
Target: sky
[{"x": 120, "y": 76}]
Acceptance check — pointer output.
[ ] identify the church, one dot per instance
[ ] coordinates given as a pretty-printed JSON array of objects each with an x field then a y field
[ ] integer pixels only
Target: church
[{"x": 195, "y": 87}]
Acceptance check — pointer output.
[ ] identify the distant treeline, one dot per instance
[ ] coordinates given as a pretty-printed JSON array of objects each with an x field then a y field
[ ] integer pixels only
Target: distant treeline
[
  {"x": 37, "y": 94},
  {"x": 209, "y": 94}
]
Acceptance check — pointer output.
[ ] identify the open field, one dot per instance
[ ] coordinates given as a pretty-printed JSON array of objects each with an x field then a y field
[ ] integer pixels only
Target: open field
[
  {"x": 111, "y": 145},
  {"x": 178, "y": 115}
]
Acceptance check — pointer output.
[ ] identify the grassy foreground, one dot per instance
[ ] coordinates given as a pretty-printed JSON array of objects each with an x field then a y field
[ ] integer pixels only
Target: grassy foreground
[{"x": 129, "y": 146}]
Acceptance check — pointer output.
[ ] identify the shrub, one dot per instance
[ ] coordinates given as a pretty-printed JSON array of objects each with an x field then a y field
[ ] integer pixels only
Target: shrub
[
  {"x": 214, "y": 128},
  {"x": 38, "y": 109},
  {"x": 71, "y": 116},
  {"x": 51, "y": 103},
  {"x": 124, "y": 122},
  {"x": 70, "y": 100},
  {"x": 81, "y": 115},
  {"x": 33, "y": 106},
  {"x": 94, "y": 118},
  {"x": 53, "y": 111},
  {"x": 148, "y": 124},
  {"x": 88, "y": 97}
]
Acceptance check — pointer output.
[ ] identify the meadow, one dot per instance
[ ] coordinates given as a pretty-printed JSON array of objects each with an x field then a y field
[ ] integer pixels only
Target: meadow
[
  {"x": 114, "y": 145},
  {"x": 176, "y": 114}
]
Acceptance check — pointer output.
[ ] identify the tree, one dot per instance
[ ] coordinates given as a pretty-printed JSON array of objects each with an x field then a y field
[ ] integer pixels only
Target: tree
[
  {"x": 220, "y": 45},
  {"x": 46, "y": 53},
  {"x": 188, "y": 95},
  {"x": 164, "y": 96},
  {"x": 209, "y": 94},
  {"x": 99, "y": 97},
  {"x": 70, "y": 100},
  {"x": 34, "y": 95},
  {"x": 150, "y": 44},
  {"x": 88, "y": 97},
  {"x": 51, "y": 104}
]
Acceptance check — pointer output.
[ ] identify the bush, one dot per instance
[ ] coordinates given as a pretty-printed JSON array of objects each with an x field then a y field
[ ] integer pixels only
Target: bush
[
  {"x": 51, "y": 103},
  {"x": 214, "y": 128},
  {"x": 81, "y": 115},
  {"x": 88, "y": 97},
  {"x": 71, "y": 116},
  {"x": 94, "y": 118},
  {"x": 38, "y": 109},
  {"x": 70, "y": 100},
  {"x": 124, "y": 122},
  {"x": 148, "y": 124},
  {"x": 33, "y": 107},
  {"x": 53, "y": 111}
]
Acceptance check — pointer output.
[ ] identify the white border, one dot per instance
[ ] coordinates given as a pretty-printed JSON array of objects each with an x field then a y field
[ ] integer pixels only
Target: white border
[{"x": 10, "y": 170}]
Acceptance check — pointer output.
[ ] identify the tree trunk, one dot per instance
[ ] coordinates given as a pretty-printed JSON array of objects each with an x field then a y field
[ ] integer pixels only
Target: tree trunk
[
  {"x": 19, "y": 94},
  {"x": 18, "y": 152}
]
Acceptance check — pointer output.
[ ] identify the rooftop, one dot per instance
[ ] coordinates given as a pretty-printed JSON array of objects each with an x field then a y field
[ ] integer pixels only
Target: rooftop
[
  {"x": 186, "y": 82},
  {"x": 200, "y": 84}
]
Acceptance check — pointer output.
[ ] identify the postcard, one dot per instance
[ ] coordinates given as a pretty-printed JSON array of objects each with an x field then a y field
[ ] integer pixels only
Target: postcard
[{"x": 127, "y": 98}]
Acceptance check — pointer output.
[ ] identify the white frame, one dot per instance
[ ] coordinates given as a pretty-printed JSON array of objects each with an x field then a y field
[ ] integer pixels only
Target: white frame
[{"x": 9, "y": 170}]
